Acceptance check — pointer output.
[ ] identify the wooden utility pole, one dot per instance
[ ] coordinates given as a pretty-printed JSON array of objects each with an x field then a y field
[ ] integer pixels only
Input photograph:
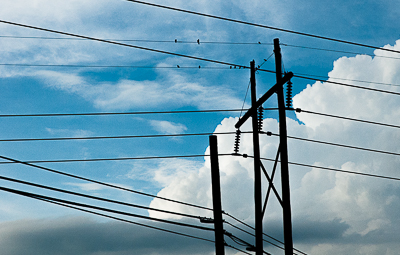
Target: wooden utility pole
[
  {"x": 287, "y": 214},
  {"x": 257, "y": 168},
  {"x": 216, "y": 194}
]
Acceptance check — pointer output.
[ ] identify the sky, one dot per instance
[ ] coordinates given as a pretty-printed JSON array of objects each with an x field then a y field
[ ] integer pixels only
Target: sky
[{"x": 332, "y": 212}]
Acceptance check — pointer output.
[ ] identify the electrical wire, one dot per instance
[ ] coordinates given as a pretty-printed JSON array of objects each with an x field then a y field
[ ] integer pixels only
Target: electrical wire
[
  {"x": 113, "y": 137},
  {"x": 124, "y": 220},
  {"x": 244, "y": 231},
  {"x": 140, "y": 40},
  {"x": 336, "y": 83},
  {"x": 193, "y": 57},
  {"x": 122, "y": 44},
  {"x": 63, "y": 201},
  {"x": 120, "y": 113},
  {"x": 346, "y": 84},
  {"x": 298, "y": 110},
  {"x": 247, "y": 225},
  {"x": 343, "y": 79},
  {"x": 338, "y": 51},
  {"x": 327, "y": 168},
  {"x": 103, "y": 183},
  {"x": 263, "y": 26},
  {"x": 334, "y": 144},
  {"x": 244, "y": 100},
  {"x": 106, "y": 159},
  {"x": 117, "y": 66},
  {"x": 97, "y": 198}
]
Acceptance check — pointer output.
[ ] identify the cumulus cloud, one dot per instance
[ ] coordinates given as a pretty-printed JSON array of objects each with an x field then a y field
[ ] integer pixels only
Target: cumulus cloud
[{"x": 340, "y": 206}]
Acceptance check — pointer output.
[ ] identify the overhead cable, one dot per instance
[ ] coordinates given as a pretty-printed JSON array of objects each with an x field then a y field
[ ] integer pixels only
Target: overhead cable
[
  {"x": 263, "y": 26},
  {"x": 334, "y": 144},
  {"x": 96, "y": 198},
  {"x": 119, "y": 113},
  {"x": 103, "y": 183},
  {"x": 105, "y": 159},
  {"x": 299, "y": 110},
  {"x": 123, "y": 220},
  {"x": 63, "y": 201},
  {"x": 112, "y": 137},
  {"x": 328, "y": 168},
  {"x": 140, "y": 40},
  {"x": 121, "y": 44},
  {"x": 118, "y": 66},
  {"x": 247, "y": 225},
  {"x": 338, "y": 51}
]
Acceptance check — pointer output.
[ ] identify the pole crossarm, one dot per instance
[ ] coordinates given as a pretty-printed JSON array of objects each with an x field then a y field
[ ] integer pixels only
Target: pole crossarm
[{"x": 264, "y": 98}]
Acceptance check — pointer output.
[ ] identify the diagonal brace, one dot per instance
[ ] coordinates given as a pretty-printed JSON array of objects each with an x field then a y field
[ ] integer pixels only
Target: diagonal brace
[{"x": 271, "y": 185}]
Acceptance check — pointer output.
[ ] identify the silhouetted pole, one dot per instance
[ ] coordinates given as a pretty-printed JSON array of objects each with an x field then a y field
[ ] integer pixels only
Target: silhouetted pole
[
  {"x": 216, "y": 194},
  {"x": 287, "y": 215},
  {"x": 257, "y": 168}
]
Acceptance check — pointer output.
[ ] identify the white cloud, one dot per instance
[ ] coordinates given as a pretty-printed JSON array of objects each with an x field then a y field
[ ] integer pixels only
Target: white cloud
[
  {"x": 364, "y": 205},
  {"x": 175, "y": 90},
  {"x": 69, "y": 132},
  {"x": 167, "y": 127}
]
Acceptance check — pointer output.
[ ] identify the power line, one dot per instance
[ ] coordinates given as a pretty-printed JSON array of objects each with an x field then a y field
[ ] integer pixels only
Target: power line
[
  {"x": 338, "y": 51},
  {"x": 336, "y": 83},
  {"x": 108, "y": 159},
  {"x": 344, "y": 84},
  {"x": 33, "y": 195},
  {"x": 334, "y": 144},
  {"x": 244, "y": 231},
  {"x": 118, "y": 66},
  {"x": 112, "y": 137},
  {"x": 140, "y": 40},
  {"x": 120, "y": 113},
  {"x": 121, "y": 44},
  {"x": 180, "y": 67},
  {"x": 328, "y": 168},
  {"x": 96, "y": 198},
  {"x": 343, "y": 79},
  {"x": 247, "y": 225},
  {"x": 123, "y": 220},
  {"x": 103, "y": 183},
  {"x": 345, "y": 118},
  {"x": 263, "y": 26}
]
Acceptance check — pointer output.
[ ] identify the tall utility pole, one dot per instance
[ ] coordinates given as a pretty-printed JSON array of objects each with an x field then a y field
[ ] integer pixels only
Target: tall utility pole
[
  {"x": 257, "y": 168},
  {"x": 282, "y": 150},
  {"x": 216, "y": 194},
  {"x": 287, "y": 214}
]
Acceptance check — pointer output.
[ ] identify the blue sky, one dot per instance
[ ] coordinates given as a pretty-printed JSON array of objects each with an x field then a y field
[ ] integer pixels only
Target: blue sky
[{"x": 333, "y": 213}]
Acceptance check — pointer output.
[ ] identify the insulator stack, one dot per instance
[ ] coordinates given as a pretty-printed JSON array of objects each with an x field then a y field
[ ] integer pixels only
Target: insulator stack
[
  {"x": 289, "y": 94},
  {"x": 237, "y": 142},
  {"x": 260, "y": 118}
]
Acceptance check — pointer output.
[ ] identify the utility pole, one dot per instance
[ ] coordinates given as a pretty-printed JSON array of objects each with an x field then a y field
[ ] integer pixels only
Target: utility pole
[
  {"x": 216, "y": 194},
  {"x": 257, "y": 168},
  {"x": 282, "y": 151},
  {"x": 287, "y": 215}
]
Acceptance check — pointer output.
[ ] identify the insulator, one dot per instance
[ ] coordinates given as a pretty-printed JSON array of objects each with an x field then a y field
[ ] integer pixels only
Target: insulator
[
  {"x": 260, "y": 118},
  {"x": 237, "y": 142},
  {"x": 289, "y": 94}
]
